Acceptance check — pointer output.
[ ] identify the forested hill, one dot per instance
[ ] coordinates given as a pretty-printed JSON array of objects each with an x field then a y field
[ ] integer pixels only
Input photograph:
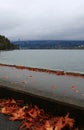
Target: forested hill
[
  {"x": 5, "y": 44},
  {"x": 50, "y": 44}
]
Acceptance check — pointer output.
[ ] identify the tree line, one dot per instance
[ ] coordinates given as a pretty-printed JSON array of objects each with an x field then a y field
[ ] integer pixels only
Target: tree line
[{"x": 5, "y": 44}]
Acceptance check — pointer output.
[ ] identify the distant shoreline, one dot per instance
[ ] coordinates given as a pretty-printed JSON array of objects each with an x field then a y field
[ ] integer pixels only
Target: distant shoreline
[{"x": 49, "y": 44}]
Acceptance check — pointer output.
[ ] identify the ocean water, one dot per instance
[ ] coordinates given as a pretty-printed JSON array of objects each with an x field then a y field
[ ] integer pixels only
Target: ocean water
[{"x": 66, "y": 60}]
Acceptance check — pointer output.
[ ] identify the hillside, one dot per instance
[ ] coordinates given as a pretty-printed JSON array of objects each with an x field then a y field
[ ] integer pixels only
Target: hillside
[
  {"x": 50, "y": 44},
  {"x": 5, "y": 44}
]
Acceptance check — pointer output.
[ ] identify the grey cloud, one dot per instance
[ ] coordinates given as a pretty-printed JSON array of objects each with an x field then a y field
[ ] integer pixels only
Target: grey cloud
[{"x": 42, "y": 19}]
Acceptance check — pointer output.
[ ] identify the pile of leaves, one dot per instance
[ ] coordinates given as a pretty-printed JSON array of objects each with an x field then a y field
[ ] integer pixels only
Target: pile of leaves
[{"x": 34, "y": 118}]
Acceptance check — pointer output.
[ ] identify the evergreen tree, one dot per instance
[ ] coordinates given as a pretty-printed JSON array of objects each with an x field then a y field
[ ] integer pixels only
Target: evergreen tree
[{"x": 5, "y": 44}]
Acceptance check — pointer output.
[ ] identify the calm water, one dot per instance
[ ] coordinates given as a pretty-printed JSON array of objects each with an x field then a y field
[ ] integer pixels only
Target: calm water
[{"x": 67, "y": 60}]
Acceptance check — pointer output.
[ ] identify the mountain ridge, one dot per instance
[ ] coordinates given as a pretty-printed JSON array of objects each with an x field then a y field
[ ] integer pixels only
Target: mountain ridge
[{"x": 50, "y": 44}]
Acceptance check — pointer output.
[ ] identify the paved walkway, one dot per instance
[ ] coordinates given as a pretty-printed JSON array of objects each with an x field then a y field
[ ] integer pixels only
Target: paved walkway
[{"x": 62, "y": 88}]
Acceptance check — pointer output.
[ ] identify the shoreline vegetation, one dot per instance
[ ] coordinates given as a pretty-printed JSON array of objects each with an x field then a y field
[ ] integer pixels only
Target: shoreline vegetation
[
  {"x": 57, "y": 72},
  {"x": 5, "y": 44}
]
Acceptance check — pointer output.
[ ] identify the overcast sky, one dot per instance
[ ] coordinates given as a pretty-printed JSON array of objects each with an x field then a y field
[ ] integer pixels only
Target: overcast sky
[{"x": 42, "y": 19}]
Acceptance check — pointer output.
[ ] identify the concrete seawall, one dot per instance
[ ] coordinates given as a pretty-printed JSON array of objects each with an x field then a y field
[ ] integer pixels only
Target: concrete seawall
[{"x": 59, "y": 86}]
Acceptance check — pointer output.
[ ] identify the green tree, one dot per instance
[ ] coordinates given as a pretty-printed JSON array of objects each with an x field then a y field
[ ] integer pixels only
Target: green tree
[{"x": 5, "y": 44}]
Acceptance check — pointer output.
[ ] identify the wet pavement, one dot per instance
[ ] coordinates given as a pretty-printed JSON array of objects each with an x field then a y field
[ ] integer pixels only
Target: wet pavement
[{"x": 64, "y": 89}]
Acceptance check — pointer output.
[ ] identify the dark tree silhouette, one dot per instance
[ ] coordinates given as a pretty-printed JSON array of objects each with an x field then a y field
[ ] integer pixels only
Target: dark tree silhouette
[{"x": 5, "y": 44}]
